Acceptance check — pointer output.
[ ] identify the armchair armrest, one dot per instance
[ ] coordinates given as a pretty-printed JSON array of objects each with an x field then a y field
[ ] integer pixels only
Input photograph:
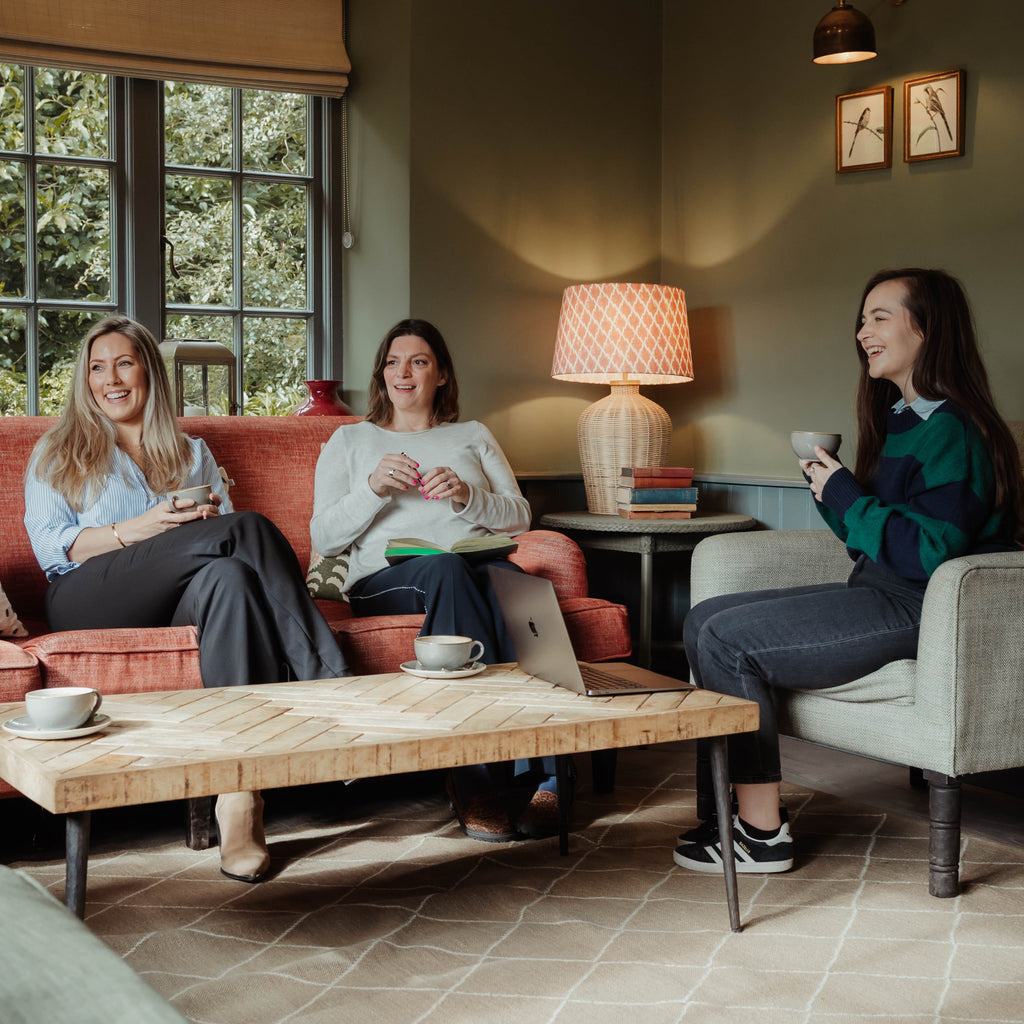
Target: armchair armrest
[
  {"x": 970, "y": 662},
  {"x": 730, "y": 563},
  {"x": 555, "y": 557}
]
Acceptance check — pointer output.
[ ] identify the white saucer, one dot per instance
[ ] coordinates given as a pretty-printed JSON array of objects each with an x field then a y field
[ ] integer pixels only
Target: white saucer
[
  {"x": 415, "y": 669},
  {"x": 24, "y": 727}
]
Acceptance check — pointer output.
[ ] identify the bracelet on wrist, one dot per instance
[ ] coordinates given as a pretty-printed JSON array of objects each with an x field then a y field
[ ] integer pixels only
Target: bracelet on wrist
[{"x": 117, "y": 535}]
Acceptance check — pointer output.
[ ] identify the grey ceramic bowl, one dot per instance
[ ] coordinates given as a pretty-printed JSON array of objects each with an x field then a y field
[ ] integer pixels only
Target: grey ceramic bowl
[{"x": 805, "y": 441}]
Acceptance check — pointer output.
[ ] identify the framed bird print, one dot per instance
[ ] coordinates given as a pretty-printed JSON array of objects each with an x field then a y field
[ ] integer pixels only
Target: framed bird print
[
  {"x": 933, "y": 116},
  {"x": 864, "y": 130}
]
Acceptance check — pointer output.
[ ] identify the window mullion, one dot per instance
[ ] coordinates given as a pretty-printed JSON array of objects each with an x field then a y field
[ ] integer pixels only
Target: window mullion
[{"x": 140, "y": 201}]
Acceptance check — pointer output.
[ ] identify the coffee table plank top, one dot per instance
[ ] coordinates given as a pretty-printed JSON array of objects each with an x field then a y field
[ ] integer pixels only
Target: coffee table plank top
[{"x": 189, "y": 743}]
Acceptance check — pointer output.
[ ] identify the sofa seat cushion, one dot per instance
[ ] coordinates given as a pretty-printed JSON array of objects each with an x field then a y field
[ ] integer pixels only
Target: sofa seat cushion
[
  {"x": 120, "y": 660},
  {"x": 599, "y": 631},
  {"x": 19, "y": 672},
  {"x": 377, "y": 643},
  {"x": 893, "y": 683}
]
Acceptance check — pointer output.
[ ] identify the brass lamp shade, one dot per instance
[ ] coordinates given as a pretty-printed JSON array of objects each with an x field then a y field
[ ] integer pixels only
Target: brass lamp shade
[
  {"x": 843, "y": 36},
  {"x": 623, "y": 335}
]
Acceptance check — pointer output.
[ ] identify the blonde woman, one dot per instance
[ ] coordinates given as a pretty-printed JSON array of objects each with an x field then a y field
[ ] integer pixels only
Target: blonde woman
[{"x": 119, "y": 553}]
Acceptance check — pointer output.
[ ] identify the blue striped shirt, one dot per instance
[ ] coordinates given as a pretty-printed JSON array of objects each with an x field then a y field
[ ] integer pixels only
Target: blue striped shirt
[{"x": 53, "y": 525}]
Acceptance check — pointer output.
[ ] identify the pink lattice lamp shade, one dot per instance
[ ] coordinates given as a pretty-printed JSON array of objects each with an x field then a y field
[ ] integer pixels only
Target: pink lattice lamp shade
[
  {"x": 607, "y": 331},
  {"x": 623, "y": 335}
]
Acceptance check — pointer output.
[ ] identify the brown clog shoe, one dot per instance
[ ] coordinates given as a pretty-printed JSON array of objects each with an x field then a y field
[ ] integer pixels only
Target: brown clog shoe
[
  {"x": 540, "y": 816},
  {"x": 483, "y": 816}
]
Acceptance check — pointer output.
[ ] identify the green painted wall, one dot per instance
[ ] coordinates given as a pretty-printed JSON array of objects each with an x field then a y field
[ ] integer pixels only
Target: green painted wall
[
  {"x": 502, "y": 150},
  {"x": 773, "y": 247}
]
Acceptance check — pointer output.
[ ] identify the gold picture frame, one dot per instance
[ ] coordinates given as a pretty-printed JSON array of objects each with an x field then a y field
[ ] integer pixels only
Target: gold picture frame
[
  {"x": 864, "y": 130},
  {"x": 933, "y": 116}
]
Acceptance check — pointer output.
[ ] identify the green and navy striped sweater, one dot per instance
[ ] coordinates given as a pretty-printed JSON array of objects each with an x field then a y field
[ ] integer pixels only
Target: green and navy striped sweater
[{"x": 931, "y": 499}]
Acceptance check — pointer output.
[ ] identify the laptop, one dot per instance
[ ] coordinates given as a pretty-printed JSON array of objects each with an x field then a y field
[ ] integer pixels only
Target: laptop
[{"x": 542, "y": 645}]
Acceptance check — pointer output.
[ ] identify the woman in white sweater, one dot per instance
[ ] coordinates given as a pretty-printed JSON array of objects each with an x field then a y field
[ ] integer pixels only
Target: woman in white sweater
[{"x": 410, "y": 469}]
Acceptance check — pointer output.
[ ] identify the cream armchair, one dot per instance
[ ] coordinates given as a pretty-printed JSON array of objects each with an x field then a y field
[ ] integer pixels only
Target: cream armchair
[{"x": 955, "y": 710}]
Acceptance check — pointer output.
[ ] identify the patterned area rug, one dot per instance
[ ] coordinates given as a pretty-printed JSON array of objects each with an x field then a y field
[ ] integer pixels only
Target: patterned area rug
[{"x": 379, "y": 909}]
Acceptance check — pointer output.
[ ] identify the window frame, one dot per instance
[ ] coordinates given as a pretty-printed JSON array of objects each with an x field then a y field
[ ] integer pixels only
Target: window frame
[{"x": 137, "y": 227}]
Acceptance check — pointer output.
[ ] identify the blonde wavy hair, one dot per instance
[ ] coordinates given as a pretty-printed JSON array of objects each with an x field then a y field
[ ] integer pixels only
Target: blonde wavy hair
[{"x": 75, "y": 456}]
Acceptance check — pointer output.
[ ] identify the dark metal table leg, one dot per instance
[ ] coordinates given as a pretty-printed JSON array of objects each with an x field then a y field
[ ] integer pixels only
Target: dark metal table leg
[
  {"x": 199, "y": 822},
  {"x": 723, "y": 808},
  {"x": 563, "y": 790},
  {"x": 76, "y": 860}
]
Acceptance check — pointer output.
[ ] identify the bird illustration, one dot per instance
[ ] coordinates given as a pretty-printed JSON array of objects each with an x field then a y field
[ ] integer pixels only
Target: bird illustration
[
  {"x": 862, "y": 123},
  {"x": 933, "y": 105}
]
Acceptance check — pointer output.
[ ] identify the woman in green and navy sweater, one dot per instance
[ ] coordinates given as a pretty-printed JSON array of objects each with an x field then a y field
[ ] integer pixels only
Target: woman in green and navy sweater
[{"x": 937, "y": 476}]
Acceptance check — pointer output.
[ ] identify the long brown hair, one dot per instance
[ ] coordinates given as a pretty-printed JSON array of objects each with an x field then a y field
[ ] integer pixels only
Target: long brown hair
[
  {"x": 948, "y": 365},
  {"x": 75, "y": 455},
  {"x": 446, "y": 397}
]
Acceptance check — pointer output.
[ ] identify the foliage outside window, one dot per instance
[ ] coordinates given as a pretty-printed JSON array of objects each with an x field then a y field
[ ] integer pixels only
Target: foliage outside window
[{"x": 238, "y": 194}]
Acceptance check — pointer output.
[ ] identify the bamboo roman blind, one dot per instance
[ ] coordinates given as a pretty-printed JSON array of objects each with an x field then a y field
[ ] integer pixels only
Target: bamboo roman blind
[{"x": 292, "y": 45}]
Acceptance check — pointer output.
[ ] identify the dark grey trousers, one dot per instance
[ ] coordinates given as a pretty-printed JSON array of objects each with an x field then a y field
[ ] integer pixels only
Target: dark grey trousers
[{"x": 235, "y": 577}]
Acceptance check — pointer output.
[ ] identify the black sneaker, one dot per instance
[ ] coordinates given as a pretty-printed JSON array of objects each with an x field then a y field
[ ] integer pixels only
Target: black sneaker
[
  {"x": 707, "y": 831},
  {"x": 753, "y": 856}
]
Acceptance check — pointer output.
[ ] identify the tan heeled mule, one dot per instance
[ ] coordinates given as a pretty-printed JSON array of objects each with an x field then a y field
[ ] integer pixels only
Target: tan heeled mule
[{"x": 243, "y": 847}]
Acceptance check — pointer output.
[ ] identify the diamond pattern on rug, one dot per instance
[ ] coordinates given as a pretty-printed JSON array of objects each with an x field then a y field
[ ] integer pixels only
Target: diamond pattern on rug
[{"x": 378, "y": 906}]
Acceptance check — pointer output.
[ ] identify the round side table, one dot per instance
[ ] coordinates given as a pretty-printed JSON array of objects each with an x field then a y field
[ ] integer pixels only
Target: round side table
[{"x": 645, "y": 537}]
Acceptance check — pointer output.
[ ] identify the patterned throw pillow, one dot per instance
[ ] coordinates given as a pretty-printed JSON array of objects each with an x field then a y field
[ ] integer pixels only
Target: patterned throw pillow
[
  {"x": 10, "y": 624},
  {"x": 326, "y": 575}
]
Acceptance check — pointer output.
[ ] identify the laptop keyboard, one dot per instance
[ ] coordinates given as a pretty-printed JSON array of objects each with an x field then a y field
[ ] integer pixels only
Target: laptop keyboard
[{"x": 597, "y": 679}]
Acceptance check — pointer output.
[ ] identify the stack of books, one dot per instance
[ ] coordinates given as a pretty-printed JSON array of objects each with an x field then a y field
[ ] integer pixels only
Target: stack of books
[{"x": 656, "y": 492}]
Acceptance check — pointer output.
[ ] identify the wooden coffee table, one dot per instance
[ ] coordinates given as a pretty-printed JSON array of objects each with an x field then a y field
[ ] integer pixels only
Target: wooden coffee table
[{"x": 184, "y": 744}]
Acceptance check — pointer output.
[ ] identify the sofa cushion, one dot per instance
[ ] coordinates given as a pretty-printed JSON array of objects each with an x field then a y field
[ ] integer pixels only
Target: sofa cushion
[
  {"x": 120, "y": 660},
  {"x": 326, "y": 575},
  {"x": 598, "y": 629},
  {"x": 19, "y": 672},
  {"x": 10, "y": 624}
]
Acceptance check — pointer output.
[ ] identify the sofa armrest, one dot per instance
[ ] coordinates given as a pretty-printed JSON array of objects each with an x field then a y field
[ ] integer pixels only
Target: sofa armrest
[
  {"x": 730, "y": 563},
  {"x": 970, "y": 662},
  {"x": 555, "y": 557}
]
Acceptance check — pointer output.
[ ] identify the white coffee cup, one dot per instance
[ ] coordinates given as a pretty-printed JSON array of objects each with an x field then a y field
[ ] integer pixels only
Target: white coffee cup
[
  {"x": 447, "y": 653},
  {"x": 200, "y": 495},
  {"x": 62, "y": 707}
]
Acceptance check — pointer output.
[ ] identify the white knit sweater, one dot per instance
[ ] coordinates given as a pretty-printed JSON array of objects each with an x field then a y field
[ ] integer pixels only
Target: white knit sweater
[{"x": 346, "y": 513}]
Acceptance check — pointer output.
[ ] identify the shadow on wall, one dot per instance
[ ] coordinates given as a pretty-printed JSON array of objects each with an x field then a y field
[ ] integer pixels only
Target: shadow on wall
[
  {"x": 713, "y": 345},
  {"x": 499, "y": 311}
]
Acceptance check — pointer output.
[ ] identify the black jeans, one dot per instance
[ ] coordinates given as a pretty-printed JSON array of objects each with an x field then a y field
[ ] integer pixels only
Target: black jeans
[{"x": 235, "y": 577}]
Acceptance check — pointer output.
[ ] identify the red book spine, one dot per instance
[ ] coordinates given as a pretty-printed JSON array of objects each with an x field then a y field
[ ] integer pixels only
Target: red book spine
[{"x": 646, "y": 482}]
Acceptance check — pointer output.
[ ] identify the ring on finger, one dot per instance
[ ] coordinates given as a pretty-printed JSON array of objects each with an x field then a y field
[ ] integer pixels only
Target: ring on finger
[{"x": 391, "y": 472}]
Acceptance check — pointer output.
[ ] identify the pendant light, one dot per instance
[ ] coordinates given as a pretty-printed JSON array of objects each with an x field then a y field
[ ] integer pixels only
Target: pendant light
[{"x": 843, "y": 36}]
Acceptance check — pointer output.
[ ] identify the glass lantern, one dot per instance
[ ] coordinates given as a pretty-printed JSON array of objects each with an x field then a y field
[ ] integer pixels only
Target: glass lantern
[{"x": 202, "y": 375}]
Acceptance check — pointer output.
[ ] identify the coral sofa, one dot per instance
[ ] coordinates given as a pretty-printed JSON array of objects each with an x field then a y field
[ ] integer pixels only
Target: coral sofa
[{"x": 271, "y": 461}]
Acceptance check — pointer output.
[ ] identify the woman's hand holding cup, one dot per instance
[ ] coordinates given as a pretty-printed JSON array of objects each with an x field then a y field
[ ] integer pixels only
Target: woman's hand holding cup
[{"x": 819, "y": 470}]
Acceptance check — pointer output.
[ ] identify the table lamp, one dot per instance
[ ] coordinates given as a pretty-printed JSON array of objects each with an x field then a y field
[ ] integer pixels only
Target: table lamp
[{"x": 624, "y": 335}]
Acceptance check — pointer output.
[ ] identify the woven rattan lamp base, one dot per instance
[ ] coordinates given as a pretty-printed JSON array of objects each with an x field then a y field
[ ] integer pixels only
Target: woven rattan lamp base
[{"x": 622, "y": 429}]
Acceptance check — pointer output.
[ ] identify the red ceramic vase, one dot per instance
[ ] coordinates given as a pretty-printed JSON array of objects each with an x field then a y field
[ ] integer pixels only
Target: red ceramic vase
[{"x": 323, "y": 400}]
